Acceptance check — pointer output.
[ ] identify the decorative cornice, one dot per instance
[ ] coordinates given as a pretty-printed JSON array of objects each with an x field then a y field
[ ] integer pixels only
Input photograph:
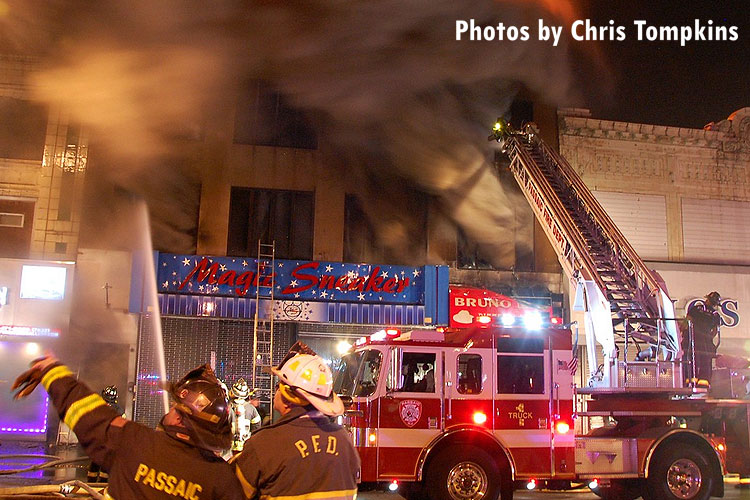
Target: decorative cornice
[{"x": 729, "y": 136}]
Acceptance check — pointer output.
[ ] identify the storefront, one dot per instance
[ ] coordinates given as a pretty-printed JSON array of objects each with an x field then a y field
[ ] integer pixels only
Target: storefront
[
  {"x": 208, "y": 313},
  {"x": 35, "y": 303},
  {"x": 688, "y": 283}
]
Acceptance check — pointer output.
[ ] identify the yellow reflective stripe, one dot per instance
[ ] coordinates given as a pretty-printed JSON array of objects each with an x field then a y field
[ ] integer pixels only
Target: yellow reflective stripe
[
  {"x": 255, "y": 420},
  {"x": 82, "y": 407},
  {"x": 107, "y": 496},
  {"x": 247, "y": 488},
  {"x": 318, "y": 495},
  {"x": 54, "y": 374}
]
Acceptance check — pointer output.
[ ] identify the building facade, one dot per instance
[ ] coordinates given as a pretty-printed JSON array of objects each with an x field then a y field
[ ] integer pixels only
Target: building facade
[{"x": 682, "y": 198}]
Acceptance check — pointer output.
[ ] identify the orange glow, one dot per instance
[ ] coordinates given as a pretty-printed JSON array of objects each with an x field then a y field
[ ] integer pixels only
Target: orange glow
[
  {"x": 720, "y": 447},
  {"x": 480, "y": 418},
  {"x": 372, "y": 438},
  {"x": 562, "y": 427}
]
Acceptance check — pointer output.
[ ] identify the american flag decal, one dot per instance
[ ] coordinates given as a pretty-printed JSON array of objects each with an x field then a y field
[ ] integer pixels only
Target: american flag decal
[{"x": 571, "y": 366}]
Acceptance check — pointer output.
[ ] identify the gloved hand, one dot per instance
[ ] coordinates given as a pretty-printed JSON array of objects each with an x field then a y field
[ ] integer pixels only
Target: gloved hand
[{"x": 28, "y": 380}]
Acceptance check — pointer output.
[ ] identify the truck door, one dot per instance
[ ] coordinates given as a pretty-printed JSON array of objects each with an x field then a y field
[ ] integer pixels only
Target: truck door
[
  {"x": 563, "y": 366},
  {"x": 523, "y": 401},
  {"x": 469, "y": 389},
  {"x": 411, "y": 409}
]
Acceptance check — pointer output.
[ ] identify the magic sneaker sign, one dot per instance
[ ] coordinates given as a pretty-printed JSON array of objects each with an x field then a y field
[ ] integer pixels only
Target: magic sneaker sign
[{"x": 291, "y": 279}]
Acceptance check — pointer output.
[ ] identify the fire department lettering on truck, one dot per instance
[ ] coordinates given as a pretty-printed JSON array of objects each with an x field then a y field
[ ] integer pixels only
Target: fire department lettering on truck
[{"x": 520, "y": 414}]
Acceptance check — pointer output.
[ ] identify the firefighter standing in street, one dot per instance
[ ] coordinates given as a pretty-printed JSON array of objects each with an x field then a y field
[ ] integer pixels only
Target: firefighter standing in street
[
  {"x": 95, "y": 473},
  {"x": 304, "y": 454},
  {"x": 179, "y": 462},
  {"x": 246, "y": 417},
  {"x": 706, "y": 321}
]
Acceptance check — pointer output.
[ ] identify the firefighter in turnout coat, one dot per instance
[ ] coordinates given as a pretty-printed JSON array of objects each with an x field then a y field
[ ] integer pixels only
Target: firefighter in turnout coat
[
  {"x": 179, "y": 461},
  {"x": 305, "y": 454}
]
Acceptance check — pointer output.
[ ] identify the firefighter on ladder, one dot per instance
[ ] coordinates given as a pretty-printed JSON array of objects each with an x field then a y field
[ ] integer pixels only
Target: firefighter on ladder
[
  {"x": 144, "y": 463},
  {"x": 304, "y": 454}
]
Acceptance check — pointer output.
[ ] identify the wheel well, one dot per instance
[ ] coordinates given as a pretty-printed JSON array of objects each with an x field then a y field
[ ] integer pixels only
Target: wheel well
[
  {"x": 698, "y": 442},
  {"x": 470, "y": 437}
]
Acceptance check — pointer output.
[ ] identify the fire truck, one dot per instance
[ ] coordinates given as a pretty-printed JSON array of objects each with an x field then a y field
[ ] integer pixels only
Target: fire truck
[{"x": 475, "y": 413}]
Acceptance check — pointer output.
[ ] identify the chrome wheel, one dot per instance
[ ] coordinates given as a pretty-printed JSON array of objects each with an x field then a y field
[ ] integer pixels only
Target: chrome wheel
[
  {"x": 467, "y": 481},
  {"x": 684, "y": 478}
]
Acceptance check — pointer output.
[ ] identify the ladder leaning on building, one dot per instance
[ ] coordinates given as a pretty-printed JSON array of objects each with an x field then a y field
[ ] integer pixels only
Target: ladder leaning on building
[{"x": 262, "y": 379}]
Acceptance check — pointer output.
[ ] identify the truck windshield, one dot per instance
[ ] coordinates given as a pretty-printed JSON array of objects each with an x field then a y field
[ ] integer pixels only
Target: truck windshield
[{"x": 358, "y": 373}]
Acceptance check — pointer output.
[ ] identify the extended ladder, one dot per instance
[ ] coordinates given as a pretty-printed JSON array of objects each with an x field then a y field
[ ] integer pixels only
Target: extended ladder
[
  {"x": 263, "y": 329},
  {"x": 618, "y": 292}
]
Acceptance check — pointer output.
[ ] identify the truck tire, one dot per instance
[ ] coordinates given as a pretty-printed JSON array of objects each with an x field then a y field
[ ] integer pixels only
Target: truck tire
[
  {"x": 620, "y": 489},
  {"x": 679, "y": 472},
  {"x": 467, "y": 474}
]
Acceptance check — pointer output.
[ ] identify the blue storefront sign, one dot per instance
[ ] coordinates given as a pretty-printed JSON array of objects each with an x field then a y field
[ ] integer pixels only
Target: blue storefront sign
[{"x": 302, "y": 290}]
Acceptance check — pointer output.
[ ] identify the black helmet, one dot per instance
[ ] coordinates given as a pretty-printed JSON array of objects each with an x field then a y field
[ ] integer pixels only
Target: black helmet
[
  {"x": 109, "y": 394},
  {"x": 713, "y": 299},
  {"x": 200, "y": 398}
]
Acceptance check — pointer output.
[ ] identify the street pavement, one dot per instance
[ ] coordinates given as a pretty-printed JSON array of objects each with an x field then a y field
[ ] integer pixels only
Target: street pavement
[{"x": 730, "y": 493}]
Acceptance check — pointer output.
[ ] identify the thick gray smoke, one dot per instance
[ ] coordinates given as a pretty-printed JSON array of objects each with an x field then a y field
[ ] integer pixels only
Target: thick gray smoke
[{"x": 403, "y": 106}]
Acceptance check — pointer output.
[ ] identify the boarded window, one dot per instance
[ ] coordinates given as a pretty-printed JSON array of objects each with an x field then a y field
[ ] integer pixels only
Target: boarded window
[
  {"x": 24, "y": 129},
  {"x": 271, "y": 215},
  {"x": 264, "y": 118},
  {"x": 714, "y": 231}
]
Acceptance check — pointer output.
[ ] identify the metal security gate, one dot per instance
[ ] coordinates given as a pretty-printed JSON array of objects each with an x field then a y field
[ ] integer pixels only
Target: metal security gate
[{"x": 227, "y": 344}]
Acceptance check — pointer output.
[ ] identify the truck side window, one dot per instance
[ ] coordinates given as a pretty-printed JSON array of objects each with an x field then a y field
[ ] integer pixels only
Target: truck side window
[
  {"x": 469, "y": 374},
  {"x": 368, "y": 379},
  {"x": 418, "y": 372},
  {"x": 520, "y": 374}
]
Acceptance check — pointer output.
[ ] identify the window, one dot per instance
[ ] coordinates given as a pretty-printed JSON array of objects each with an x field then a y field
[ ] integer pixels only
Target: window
[
  {"x": 520, "y": 366},
  {"x": 11, "y": 220},
  {"x": 362, "y": 243},
  {"x": 368, "y": 379},
  {"x": 520, "y": 374},
  {"x": 271, "y": 215},
  {"x": 43, "y": 282},
  {"x": 469, "y": 374},
  {"x": 357, "y": 374},
  {"x": 24, "y": 129},
  {"x": 418, "y": 372},
  {"x": 359, "y": 235},
  {"x": 264, "y": 119}
]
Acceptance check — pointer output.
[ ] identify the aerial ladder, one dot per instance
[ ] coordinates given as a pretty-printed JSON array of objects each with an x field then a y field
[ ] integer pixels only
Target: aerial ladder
[{"x": 620, "y": 296}]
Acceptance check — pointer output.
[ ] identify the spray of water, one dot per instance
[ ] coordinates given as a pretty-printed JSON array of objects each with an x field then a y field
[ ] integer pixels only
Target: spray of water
[{"x": 151, "y": 302}]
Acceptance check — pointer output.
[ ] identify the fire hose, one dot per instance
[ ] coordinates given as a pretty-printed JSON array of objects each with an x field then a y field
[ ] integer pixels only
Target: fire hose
[{"x": 45, "y": 490}]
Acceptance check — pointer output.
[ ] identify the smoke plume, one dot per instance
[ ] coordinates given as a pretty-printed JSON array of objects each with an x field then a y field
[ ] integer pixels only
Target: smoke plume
[{"x": 403, "y": 107}]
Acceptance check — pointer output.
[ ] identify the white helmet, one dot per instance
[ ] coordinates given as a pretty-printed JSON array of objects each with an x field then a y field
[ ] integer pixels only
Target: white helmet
[{"x": 311, "y": 377}]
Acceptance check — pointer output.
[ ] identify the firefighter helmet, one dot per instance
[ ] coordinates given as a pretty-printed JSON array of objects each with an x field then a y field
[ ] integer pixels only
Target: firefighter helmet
[
  {"x": 109, "y": 394},
  {"x": 240, "y": 390},
  {"x": 310, "y": 377},
  {"x": 713, "y": 299},
  {"x": 200, "y": 398}
]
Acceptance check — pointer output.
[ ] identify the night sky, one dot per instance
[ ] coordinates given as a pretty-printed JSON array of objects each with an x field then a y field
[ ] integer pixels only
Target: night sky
[{"x": 662, "y": 82}]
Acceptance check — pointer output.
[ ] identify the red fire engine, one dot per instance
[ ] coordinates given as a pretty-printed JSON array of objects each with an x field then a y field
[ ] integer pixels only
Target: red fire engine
[{"x": 473, "y": 413}]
